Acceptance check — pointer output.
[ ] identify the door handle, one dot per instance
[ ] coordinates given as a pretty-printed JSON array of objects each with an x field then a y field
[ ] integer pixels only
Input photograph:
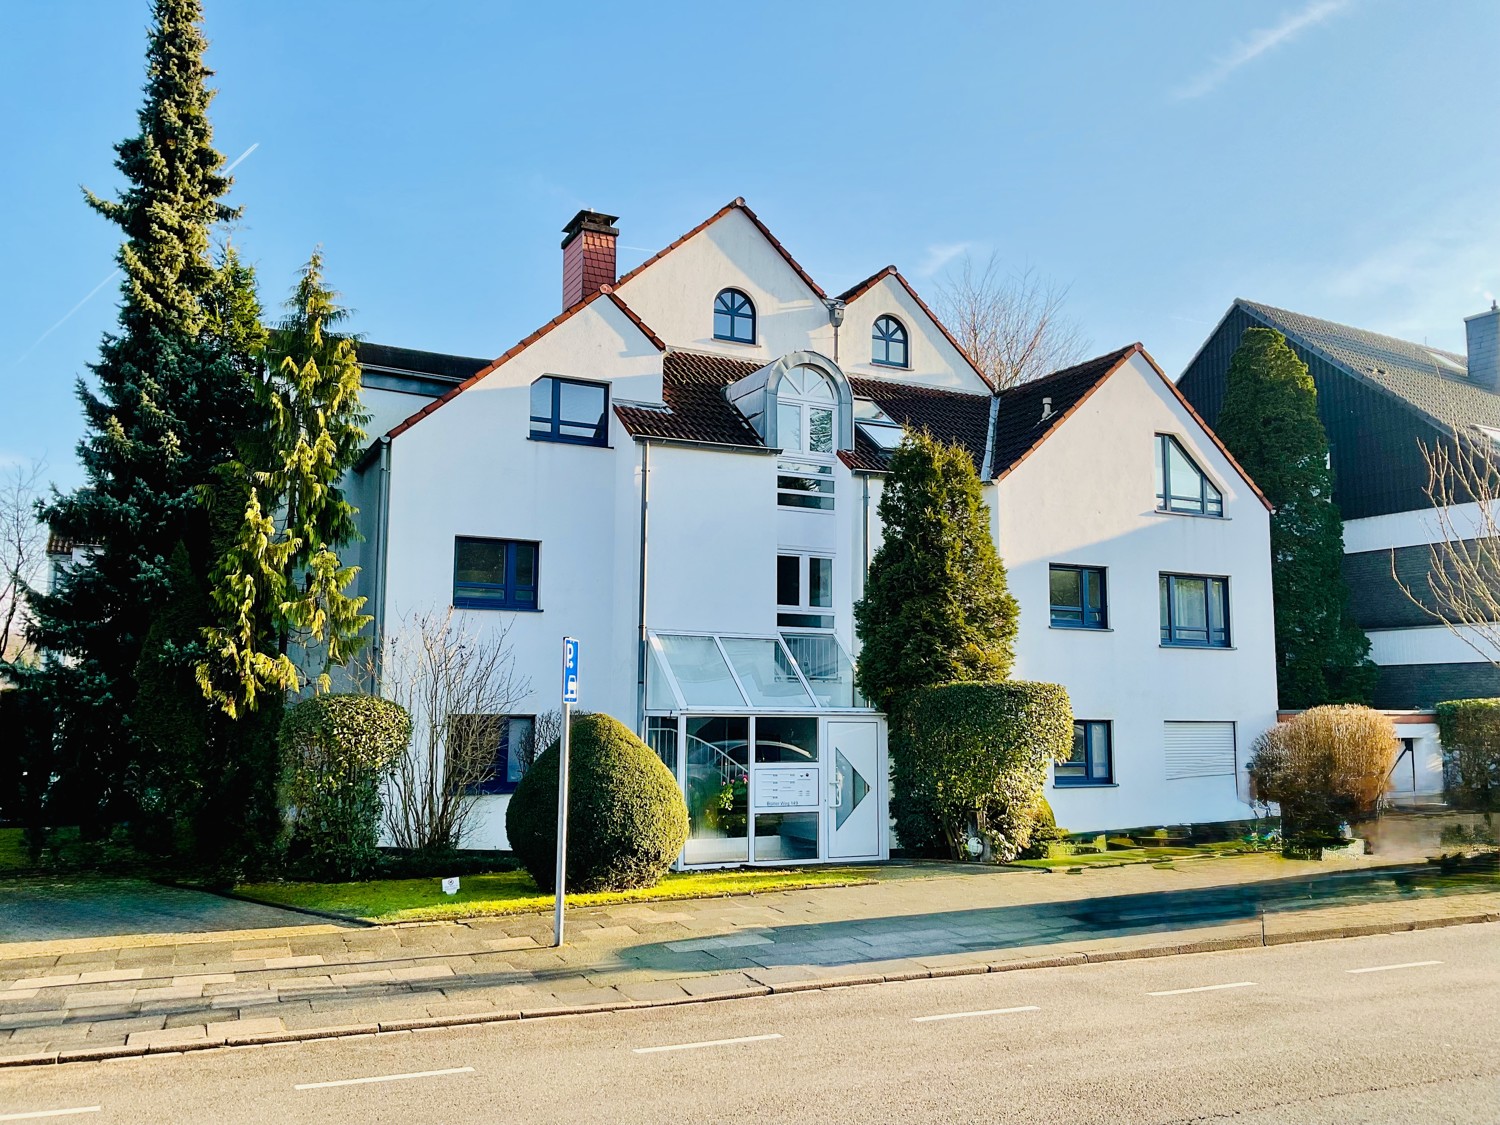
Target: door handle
[{"x": 838, "y": 793}]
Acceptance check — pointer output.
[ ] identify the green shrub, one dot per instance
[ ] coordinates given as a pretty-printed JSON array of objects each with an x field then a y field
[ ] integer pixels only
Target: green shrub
[
  {"x": 627, "y": 820},
  {"x": 973, "y": 757},
  {"x": 1047, "y": 839},
  {"x": 1470, "y": 731},
  {"x": 338, "y": 748}
]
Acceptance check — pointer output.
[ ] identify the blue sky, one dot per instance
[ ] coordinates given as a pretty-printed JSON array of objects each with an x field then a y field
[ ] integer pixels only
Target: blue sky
[{"x": 1334, "y": 156}]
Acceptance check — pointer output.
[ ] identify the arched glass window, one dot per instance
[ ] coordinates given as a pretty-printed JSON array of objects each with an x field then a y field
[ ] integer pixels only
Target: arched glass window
[
  {"x": 888, "y": 342},
  {"x": 734, "y": 317},
  {"x": 806, "y": 417}
]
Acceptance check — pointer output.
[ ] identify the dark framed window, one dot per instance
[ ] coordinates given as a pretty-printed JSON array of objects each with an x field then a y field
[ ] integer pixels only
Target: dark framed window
[
  {"x": 1194, "y": 611},
  {"x": 734, "y": 317},
  {"x": 495, "y": 573},
  {"x": 888, "y": 342},
  {"x": 507, "y": 742},
  {"x": 1078, "y": 597},
  {"x": 1093, "y": 760},
  {"x": 569, "y": 410},
  {"x": 1181, "y": 486}
]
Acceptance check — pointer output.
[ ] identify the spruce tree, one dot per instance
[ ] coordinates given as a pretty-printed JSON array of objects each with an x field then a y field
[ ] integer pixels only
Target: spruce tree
[
  {"x": 166, "y": 409},
  {"x": 1269, "y": 421},
  {"x": 937, "y": 607},
  {"x": 279, "y": 578}
]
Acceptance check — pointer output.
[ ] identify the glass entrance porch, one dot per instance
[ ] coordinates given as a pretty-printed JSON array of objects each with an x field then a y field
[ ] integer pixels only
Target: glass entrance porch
[{"x": 743, "y": 722}]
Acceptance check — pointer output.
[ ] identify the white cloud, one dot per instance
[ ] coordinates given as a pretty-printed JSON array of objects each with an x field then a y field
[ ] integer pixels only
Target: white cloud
[
  {"x": 940, "y": 255},
  {"x": 1260, "y": 42}
]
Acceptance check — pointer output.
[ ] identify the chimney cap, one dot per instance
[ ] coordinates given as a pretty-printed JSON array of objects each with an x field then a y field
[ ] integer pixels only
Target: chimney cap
[{"x": 596, "y": 221}]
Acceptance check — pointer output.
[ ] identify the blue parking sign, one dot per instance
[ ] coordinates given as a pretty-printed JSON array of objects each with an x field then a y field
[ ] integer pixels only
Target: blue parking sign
[{"x": 570, "y": 670}]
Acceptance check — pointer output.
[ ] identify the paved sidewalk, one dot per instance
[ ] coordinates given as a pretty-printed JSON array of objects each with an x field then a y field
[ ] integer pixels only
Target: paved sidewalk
[{"x": 107, "y": 997}]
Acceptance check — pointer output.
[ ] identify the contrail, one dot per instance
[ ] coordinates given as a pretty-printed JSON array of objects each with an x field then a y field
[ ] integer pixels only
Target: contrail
[{"x": 113, "y": 274}]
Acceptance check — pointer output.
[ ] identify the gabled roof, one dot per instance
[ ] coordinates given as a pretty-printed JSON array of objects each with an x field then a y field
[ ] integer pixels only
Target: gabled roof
[
  {"x": 438, "y": 364},
  {"x": 856, "y": 292},
  {"x": 737, "y": 204},
  {"x": 567, "y": 314},
  {"x": 1430, "y": 380}
]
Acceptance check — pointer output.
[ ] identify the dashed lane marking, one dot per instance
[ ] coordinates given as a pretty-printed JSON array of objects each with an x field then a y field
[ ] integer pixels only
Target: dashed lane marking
[
  {"x": 705, "y": 1043},
  {"x": 384, "y": 1078},
  {"x": 971, "y": 1015},
  {"x": 1388, "y": 968},
  {"x": 39, "y": 1113},
  {"x": 1203, "y": 988}
]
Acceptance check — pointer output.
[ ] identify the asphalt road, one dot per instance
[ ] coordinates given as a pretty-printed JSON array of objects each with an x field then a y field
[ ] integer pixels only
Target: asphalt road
[{"x": 1395, "y": 1028}]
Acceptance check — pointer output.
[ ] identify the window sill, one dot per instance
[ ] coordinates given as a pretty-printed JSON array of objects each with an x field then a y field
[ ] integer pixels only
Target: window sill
[
  {"x": 1191, "y": 515},
  {"x": 890, "y": 366},
  {"x": 498, "y": 608},
  {"x": 737, "y": 343},
  {"x": 569, "y": 441},
  {"x": 1199, "y": 648},
  {"x": 510, "y": 792},
  {"x": 1085, "y": 784},
  {"x": 1081, "y": 628}
]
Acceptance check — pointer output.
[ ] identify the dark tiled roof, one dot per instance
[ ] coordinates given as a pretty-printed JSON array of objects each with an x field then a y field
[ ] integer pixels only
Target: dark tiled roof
[
  {"x": 440, "y": 364},
  {"x": 60, "y": 544},
  {"x": 1433, "y": 381},
  {"x": 950, "y": 415},
  {"x": 693, "y": 389},
  {"x": 1019, "y": 426}
]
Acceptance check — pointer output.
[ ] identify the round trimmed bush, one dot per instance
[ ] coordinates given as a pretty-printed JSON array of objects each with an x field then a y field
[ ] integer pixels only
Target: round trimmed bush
[{"x": 627, "y": 820}]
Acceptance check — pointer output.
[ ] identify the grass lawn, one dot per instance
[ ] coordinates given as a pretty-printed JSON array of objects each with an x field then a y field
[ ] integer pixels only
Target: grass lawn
[
  {"x": 1111, "y": 859},
  {"x": 512, "y": 892},
  {"x": 13, "y": 850}
]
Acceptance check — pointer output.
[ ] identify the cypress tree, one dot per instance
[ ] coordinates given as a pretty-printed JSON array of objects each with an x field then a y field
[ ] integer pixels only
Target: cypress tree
[
  {"x": 1269, "y": 421},
  {"x": 278, "y": 578},
  {"x": 937, "y": 606},
  {"x": 166, "y": 410}
]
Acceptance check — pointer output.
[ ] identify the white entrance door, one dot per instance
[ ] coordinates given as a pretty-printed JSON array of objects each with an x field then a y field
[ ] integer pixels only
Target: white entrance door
[{"x": 853, "y": 790}]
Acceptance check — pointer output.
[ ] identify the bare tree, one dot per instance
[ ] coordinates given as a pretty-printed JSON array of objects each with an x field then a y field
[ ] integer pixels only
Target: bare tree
[
  {"x": 23, "y": 544},
  {"x": 458, "y": 683},
  {"x": 1011, "y": 323},
  {"x": 1461, "y": 588}
]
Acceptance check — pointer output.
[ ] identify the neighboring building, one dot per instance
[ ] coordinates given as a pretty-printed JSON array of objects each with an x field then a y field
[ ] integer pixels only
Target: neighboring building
[
  {"x": 683, "y": 470},
  {"x": 1381, "y": 401}
]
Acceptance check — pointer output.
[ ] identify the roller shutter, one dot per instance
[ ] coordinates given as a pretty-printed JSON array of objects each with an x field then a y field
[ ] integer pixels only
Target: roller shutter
[{"x": 1199, "y": 749}]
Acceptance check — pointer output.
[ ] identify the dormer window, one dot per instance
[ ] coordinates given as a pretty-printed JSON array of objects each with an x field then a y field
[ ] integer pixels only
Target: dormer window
[
  {"x": 734, "y": 317},
  {"x": 1181, "y": 486},
  {"x": 888, "y": 342},
  {"x": 569, "y": 410}
]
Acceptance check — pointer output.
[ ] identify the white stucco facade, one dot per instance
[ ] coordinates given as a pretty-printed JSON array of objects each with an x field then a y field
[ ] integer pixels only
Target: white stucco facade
[{"x": 709, "y": 520}]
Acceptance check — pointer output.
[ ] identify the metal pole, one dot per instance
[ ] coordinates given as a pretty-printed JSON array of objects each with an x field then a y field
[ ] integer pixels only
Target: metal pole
[{"x": 559, "y": 888}]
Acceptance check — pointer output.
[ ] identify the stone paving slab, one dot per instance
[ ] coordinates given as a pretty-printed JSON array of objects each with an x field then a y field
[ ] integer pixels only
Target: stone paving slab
[{"x": 950, "y": 922}]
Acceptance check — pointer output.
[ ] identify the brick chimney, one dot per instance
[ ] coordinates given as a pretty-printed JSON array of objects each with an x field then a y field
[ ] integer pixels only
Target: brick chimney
[
  {"x": 1484, "y": 347},
  {"x": 588, "y": 248}
]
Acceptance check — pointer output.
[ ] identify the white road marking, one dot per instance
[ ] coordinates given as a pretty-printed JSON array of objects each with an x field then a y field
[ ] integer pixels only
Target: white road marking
[
  {"x": 384, "y": 1078},
  {"x": 1203, "y": 988},
  {"x": 1387, "y": 968},
  {"x": 968, "y": 1015},
  {"x": 706, "y": 1043},
  {"x": 48, "y": 1113}
]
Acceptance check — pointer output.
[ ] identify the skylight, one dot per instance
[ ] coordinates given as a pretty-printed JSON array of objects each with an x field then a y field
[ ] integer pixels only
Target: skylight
[{"x": 888, "y": 437}]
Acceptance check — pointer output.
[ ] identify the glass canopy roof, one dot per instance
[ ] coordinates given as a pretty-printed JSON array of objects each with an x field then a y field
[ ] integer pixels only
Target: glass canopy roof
[{"x": 719, "y": 672}]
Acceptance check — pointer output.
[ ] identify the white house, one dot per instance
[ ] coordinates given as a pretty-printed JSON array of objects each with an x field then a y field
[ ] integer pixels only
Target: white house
[{"x": 683, "y": 469}]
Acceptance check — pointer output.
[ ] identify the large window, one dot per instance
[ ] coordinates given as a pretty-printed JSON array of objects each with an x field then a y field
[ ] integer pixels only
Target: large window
[
  {"x": 806, "y": 417},
  {"x": 888, "y": 342},
  {"x": 569, "y": 410},
  {"x": 495, "y": 573},
  {"x": 507, "y": 743},
  {"x": 1181, "y": 486},
  {"x": 1078, "y": 600},
  {"x": 734, "y": 317},
  {"x": 1092, "y": 762},
  {"x": 1194, "y": 611},
  {"x": 804, "y": 592}
]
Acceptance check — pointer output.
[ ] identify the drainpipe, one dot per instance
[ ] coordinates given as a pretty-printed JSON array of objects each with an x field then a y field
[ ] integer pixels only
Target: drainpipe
[
  {"x": 864, "y": 479},
  {"x": 641, "y": 653},
  {"x": 382, "y": 542}
]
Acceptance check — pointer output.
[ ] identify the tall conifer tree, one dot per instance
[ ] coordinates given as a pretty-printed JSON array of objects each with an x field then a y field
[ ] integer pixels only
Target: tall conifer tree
[
  {"x": 166, "y": 409},
  {"x": 937, "y": 605},
  {"x": 1269, "y": 421}
]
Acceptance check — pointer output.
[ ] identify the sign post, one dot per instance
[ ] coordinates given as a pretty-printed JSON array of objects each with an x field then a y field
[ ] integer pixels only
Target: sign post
[{"x": 569, "y": 697}]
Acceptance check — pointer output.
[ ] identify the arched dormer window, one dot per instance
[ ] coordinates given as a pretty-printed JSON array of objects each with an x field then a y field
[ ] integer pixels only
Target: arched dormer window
[
  {"x": 734, "y": 317},
  {"x": 888, "y": 342},
  {"x": 806, "y": 412}
]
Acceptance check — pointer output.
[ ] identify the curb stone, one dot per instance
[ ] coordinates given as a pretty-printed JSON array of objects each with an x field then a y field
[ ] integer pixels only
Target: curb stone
[{"x": 405, "y": 1026}]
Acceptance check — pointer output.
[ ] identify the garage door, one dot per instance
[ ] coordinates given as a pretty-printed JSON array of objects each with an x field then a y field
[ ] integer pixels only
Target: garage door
[{"x": 1199, "y": 749}]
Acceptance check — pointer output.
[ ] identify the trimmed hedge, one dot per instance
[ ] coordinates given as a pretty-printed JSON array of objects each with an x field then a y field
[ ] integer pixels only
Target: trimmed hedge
[
  {"x": 1470, "y": 731},
  {"x": 627, "y": 820},
  {"x": 973, "y": 757},
  {"x": 338, "y": 748}
]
